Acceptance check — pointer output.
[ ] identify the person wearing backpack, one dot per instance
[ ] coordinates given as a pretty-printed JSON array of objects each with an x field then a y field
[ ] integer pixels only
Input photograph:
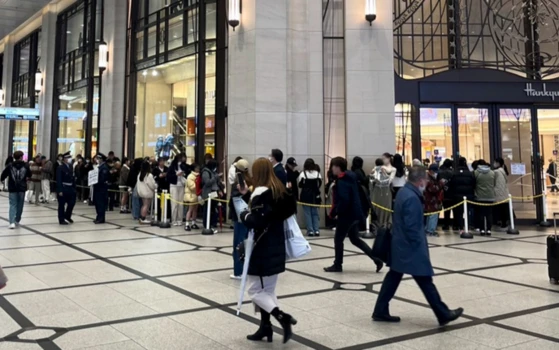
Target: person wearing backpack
[
  {"x": 347, "y": 207},
  {"x": 192, "y": 192},
  {"x": 310, "y": 183},
  {"x": 18, "y": 175}
]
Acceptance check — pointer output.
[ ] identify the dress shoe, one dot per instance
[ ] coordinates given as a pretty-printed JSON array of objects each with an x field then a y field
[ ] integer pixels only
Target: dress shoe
[
  {"x": 70, "y": 221},
  {"x": 452, "y": 316},
  {"x": 446, "y": 228},
  {"x": 63, "y": 223},
  {"x": 333, "y": 268},
  {"x": 386, "y": 318},
  {"x": 98, "y": 222},
  {"x": 379, "y": 265}
]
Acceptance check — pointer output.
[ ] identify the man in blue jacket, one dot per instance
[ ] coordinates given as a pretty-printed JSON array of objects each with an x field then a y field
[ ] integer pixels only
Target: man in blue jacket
[
  {"x": 410, "y": 252},
  {"x": 276, "y": 157},
  {"x": 346, "y": 207}
]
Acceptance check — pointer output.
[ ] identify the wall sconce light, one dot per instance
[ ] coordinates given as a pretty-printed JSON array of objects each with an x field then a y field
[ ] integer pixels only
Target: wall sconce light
[
  {"x": 103, "y": 56},
  {"x": 1, "y": 97},
  {"x": 38, "y": 80},
  {"x": 370, "y": 11},
  {"x": 235, "y": 9}
]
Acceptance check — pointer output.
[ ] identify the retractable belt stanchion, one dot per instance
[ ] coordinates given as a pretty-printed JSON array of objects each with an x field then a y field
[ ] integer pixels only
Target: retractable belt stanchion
[
  {"x": 155, "y": 211},
  {"x": 512, "y": 230},
  {"x": 208, "y": 230},
  {"x": 368, "y": 233},
  {"x": 544, "y": 222},
  {"x": 164, "y": 222},
  {"x": 466, "y": 233}
]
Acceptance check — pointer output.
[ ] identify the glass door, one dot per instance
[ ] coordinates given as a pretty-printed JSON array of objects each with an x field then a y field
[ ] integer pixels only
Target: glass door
[
  {"x": 473, "y": 134},
  {"x": 548, "y": 135},
  {"x": 436, "y": 133}
]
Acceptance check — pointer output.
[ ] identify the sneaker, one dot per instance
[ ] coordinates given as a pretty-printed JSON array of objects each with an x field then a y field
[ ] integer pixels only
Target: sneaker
[
  {"x": 434, "y": 234},
  {"x": 482, "y": 233},
  {"x": 233, "y": 277},
  {"x": 195, "y": 227},
  {"x": 502, "y": 229},
  {"x": 12, "y": 226},
  {"x": 488, "y": 233},
  {"x": 333, "y": 268},
  {"x": 85, "y": 202},
  {"x": 478, "y": 230},
  {"x": 317, "y": 234},
  {"x": 215, "y": 231},
  {"x": 187, "y": 228},
  {"x": 310, "y": 234},
  {"x": 145, "y": 221}
]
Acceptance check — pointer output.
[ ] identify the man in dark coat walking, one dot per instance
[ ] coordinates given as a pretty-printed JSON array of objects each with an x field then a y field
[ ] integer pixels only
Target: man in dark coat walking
[{"x": 410, "y": 252}]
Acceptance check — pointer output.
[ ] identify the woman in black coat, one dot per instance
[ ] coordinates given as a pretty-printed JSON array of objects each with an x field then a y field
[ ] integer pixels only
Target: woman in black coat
[{"x": 270, "y": 206}]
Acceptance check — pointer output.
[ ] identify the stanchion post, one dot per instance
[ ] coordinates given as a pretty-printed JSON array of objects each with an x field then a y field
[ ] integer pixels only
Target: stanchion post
[
  {"x": 155, "y": 211},
  {"x": 466, "y": 232},
  {"x": 368, "y": 233},
  {"x": 208, "y": 230},
  {"x": 512, "y": 230},
  {"x": 544, "y": 222},
  {"x": 164, "y": 223}
]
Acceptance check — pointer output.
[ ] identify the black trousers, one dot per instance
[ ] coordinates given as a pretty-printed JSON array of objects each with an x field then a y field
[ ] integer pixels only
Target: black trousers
[
  {"x": 458, "y": 215},
  {"x": 113, "y": 196},
  {"x": 351, "y": 230},
  {"x": 66, "y": 204},
  {"x": 390, "y": 285},
  {"x": 484, "y": 216},
  {"x": 100, "y": 198},
  {"x": 447, "y": 204},
  {"x": 553, "y": 185}
]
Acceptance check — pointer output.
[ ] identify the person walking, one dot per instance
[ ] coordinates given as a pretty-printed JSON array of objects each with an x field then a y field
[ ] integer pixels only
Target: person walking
[
  {"x": 36, "y": 176},
  {"x": 433, "y": 199},
  {"x": 176, "y": 177},
  {"x": 122, "y": 181},
  {"x": 66, "y": 190},
  {"x": 276, "y": 157},
  {"x": 101, "y": 189},
  {"x": 46, "y": 178},
  {"x": 485, "y": 196},
  {"x": 462, "y": 185},
  {"x": 270, "y": 206},
  {"x": 192, "y": 196},
  {"x": 445, "y": 175},
  {"x": 211, "y": 183},
  {"x": 410, "y": 253},
  {"x": 501, "y": 211},
  {"x": 146, "y": 191},
  {"x": 18, "y": 175},
  {"x": 347, "y": 208},
  {"x": 310, "y": 182}
]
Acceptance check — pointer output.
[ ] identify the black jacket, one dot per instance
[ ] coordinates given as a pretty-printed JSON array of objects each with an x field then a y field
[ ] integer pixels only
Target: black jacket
[
  {"x": 235, "y": 193},
  {"x": 446, "y": 175},
  {"x": 292, "y": 176},
  {"x": 279, "y": 170},
  {"x": 162, "y": 183},
  {"x": 172, "y": 173},
  {"x": 462, "y": 185},
  {"x": 346, "y": 204},
  {"x": 18, "y": 174},
  {"x": 266, "y": 217},
  {"x": 134, "y": 172}
]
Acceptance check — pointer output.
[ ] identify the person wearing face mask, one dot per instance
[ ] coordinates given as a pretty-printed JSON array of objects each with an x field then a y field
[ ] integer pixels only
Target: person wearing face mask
[
  {"x": 410, "y": 253},
  {"x": 66, "y": 190},
  {"x": 101, "y": 189}
]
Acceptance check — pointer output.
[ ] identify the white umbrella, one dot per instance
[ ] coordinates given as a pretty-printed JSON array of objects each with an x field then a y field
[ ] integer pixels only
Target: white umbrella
[{"x": 249, "y": 244}]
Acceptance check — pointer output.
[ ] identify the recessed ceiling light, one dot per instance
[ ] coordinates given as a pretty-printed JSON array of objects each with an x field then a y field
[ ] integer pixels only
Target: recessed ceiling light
[{"x": 68, "y": 32}]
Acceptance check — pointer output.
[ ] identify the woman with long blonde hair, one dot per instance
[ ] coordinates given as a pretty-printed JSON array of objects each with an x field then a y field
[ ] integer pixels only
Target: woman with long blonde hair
[{"x": 270, "y": 206}]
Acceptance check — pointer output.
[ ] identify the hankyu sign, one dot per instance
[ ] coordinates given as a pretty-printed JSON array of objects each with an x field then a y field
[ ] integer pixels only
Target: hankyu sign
[
  {"x": 543, "y": 92},
  {"x": 15, "y": 113}
]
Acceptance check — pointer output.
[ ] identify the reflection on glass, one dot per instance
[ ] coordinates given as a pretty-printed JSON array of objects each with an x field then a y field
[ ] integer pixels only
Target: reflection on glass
[
  {"x": 210, "y": 104},
  {"x": 211, "y": 21},
  {"x": 548, "y": 126},
  {"x": 473, "y": 134},
  {"x": 436, "y": 133},
  {"x": 75, "y": 32},
  {"x": 516, "y": 139},
  {"x": 403, "y": 115},
  {"x": 72, "y": 119},
  {"x": 20, "y": 138}
]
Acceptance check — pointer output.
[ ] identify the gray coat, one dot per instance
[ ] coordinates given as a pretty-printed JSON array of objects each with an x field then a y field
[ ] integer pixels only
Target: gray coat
[
  {"x": 501, "y": 188},
  {"x": 211, "y": 182},
  {"x": 47, "y": 171}
]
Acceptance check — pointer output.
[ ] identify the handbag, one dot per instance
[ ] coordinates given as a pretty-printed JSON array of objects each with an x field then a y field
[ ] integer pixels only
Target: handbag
[
  {"x": 383, "y": 244},
  {"x": 296, "y": 246}
]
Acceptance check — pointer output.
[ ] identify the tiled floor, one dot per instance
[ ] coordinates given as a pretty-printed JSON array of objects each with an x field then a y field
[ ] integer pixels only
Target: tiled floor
[{"x": 120, "y": 286}]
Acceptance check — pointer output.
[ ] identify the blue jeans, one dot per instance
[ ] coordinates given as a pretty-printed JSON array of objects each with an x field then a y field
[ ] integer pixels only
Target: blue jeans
[
  {"x": 431, "y": 225},
  {"x": 312, "y": 219},
  {"x": 240, "y": 233},
  {"x": 136, "y": 204},
  {"x": 16, "y": 206}
]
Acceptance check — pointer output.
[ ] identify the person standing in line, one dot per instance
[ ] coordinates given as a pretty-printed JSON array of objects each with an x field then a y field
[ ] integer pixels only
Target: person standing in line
[
  {"x": 101, "y": 189},
  {"x": 485, "y": 194},
  {"x": 399, "y": 179},
  {"x": 328, "y": 190},
  {"x": 36, "y": 176},
  {"x": 135, "y": 201},
  {"x": 433, "y": 199},
  {"x": 240, "y": 231},
  {"x": 462, "y": 185},
  {"x": 270, "y": 206},
  {"x": 276, "y": 157},
  {"x": 501, "y": 194},
  {"x": 66, "y": 190},
  {"x": 347, "y": 208},
  {"x": 87, "y": 168},
  {"x": 18, "y": 175},
  {"x": 192, "y": 196},
  {"x": 232, "y": 172},
  {"x": 357, "y": 169},
  {"x": 310, "y": 182},
  {"x": 176, "y": 177},
  {"x": 146, "y": 190},
  {"x": 445, "y": 174},
  {"x": 410, "y": 253},
  {"x": 382, "y": 195},
  {"x": 160, "y": 175},
  {"x": 552, "y": 174},
  {"x": 122, "y": 181},
  {"x": 46, "y": 178},
  {"x": 114, "y": 175},
  {"x": 293, "y": 176},
  {"x": 211, "y": 182}
]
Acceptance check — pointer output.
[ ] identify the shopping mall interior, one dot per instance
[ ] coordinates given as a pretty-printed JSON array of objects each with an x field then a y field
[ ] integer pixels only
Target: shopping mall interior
[{"x": 431, "y": 80}]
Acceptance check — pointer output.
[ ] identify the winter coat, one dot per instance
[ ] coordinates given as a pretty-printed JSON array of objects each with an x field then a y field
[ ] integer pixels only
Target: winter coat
[
  {"x": 292, "y": 177},
  {"x": 210, "y": 182},
  {"x": 36, "y": 173},
  {"x": 172, "y": 177},
  {"x": 445, "y": 175},
  {"x": 124, "y": 172},
  {"x": 501, "y": 188},
  {"x": 462, "y": 184},
  {"x": 162, "y": 183},
  {"x": 433, "y": 194},
  {"x": 235, "y": 193},
  {"x": 409, "y": 251},
  {"x": 485, "y": 184},
  {"x": 266, "y": 217},
  {"x": 279, "y": 170},
  {"x": 18, "y": 174},
  {"x": 190, "y": 190},
  {"x": 346, "y": 204},
  {"x": 310, "y": 183},
  {"x": 146, "y": 188},
  {"x": 47, "y": 171}
]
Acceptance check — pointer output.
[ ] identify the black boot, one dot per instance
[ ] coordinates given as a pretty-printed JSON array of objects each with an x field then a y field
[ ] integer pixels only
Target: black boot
[
  {"x": 265, "y": 330},
  {"x": 286, "y": 321}
]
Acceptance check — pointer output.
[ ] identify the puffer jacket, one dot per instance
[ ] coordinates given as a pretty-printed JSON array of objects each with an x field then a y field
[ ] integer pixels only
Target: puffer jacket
[
  {"x": 485, "y": 183},
  {"x": 462, "y": 184},
  {"x": 190, "y": 195},
  {"x": 501, "y": 188}
]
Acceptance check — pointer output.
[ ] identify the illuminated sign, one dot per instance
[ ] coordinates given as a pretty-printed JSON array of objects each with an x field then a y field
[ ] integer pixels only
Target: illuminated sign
[{"x": 15, "y": 113}]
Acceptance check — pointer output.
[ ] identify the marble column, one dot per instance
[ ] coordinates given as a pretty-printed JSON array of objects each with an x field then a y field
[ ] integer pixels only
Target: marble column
[
  {"x": 7, "y": 87},
  {"x": 46, "y": 65},
  {"x": 370, "y": 125},
  {"x": 111, "y": 130},
  {"x": 275, "y": 80}
]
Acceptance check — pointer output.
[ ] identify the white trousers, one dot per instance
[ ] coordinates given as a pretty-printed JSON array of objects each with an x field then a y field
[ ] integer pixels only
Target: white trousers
[
  {"x": 45, "y": 184},
  {"x": 262, "y": 291},
  {"x": 177, "y": 193}
]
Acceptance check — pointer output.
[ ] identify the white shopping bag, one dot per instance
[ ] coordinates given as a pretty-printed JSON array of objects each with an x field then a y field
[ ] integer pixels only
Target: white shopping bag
[
  {"x": 296, "y": 246},
  {"x": 249, "y": 245}
]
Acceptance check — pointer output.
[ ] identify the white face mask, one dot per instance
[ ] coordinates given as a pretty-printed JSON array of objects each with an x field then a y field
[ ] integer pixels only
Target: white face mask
[
  {"x": 69, "y": 161},
  {"x": 271, "y": 159}
]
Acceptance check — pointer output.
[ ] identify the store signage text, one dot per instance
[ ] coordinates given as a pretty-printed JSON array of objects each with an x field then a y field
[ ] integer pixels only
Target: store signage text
[
  {"x": 14, "y": 113},
  {"x": 531, "y": 92}
]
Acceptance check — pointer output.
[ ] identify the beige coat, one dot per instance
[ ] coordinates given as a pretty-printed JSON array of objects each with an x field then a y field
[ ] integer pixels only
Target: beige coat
[
  {"x": 146, "y": 188},
  {"x": 501, "y": 188},
  {"x": 190, "y": 195}
]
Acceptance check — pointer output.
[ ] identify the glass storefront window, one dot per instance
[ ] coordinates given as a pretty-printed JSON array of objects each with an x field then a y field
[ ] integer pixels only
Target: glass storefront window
[
  {"x": 473, "y": 134},
  {"x": 403, "y": 115},
  {"x": 210, "y": 104},
  {"x": 72, "y": 121},
  {"x": 20, "y": 138},
  {"x": 436, "y": 133},
  {"x": 211, "y": 21},
  {"x": 548, "y": 126},
  {"x": 75, "y": 32}
]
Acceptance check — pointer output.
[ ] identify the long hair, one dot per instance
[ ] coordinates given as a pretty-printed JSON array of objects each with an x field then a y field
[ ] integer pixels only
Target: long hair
[
  {"x": 146, "y": 169},
  {"x": 263, "y": 175},
  {"x": 398, "y": 163}
]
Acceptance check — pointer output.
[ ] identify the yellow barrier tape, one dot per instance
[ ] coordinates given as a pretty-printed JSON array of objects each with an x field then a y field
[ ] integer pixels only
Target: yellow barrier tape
[
  {"x": 487, "y": 204},
  {"x": 527, "y": 198}
]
